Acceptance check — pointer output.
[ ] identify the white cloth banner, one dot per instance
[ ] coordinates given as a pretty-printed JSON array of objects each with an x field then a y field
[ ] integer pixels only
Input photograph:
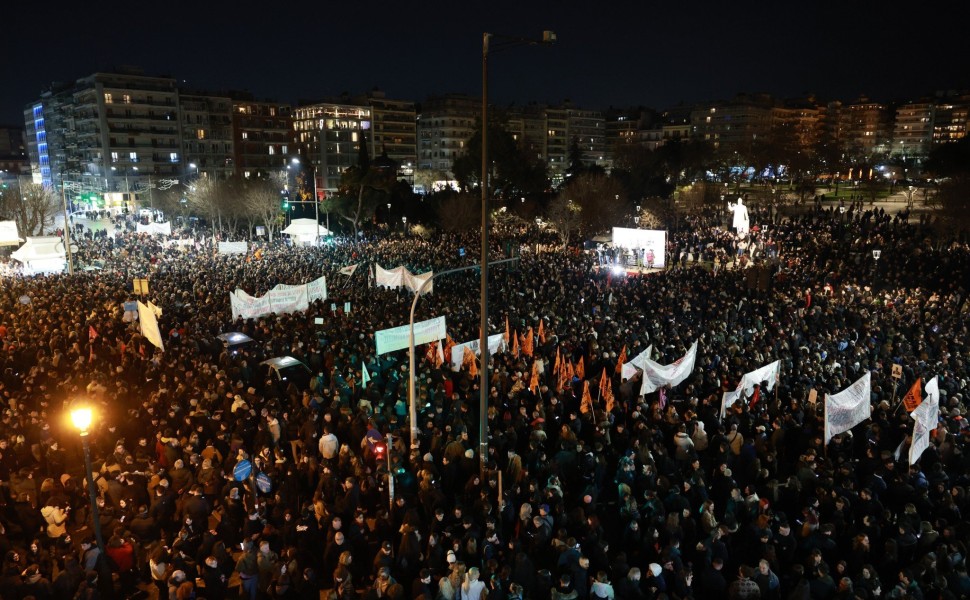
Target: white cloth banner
[
  {"x": 399, "y": 338},
  {"x": 656, "y": 375},
  {"x": 288, "y": 298},
  {"x": 496, "y": 343},
  {"x": 628, "y": 370},
  {"x": 920, "y": 441},
  {"x": 401, "y": 277},
  {"x": 148, "y": 325},
  {"x": 155, "y": 228},
  {"x": 848, "y": 408},
  {"x": 281, "y": 299},
  {"x": 414, "y": 282},
  {"x": 233, "y": 247},
  {"x": 316, "y": 290},
  {"x": 928, "y": 412},
  {"x": 768, "y": 373},
  {"x": 349, "y": 269}
]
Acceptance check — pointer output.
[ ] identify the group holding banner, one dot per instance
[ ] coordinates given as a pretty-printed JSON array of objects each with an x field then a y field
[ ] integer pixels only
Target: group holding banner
[{"x": 281, "y": 299}]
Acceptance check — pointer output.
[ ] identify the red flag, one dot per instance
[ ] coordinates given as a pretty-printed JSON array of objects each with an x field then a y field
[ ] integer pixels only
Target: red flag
[
  {"x": 586, "y": 405},
  {"x": 621, "y": 360},
  {"x": 913, "y": 397},
  {"x": 92, "y": 334},
  {"x": 429, "y": 355}
]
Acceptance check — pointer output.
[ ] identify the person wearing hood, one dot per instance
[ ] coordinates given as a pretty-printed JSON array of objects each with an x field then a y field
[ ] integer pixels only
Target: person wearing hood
[{"x": 56, "y": 518}]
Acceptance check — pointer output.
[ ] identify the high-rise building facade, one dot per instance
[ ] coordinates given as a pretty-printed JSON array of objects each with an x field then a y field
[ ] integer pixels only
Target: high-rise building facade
[
  {"x": 262, "y": 136},
  {"x": 343, "y": 129},
  {"x": 207, "y": 135},
  {"x": 445, "y": 124}
]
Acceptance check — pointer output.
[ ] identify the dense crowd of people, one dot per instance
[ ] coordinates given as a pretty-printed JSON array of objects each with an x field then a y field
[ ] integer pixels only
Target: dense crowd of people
[{"x": 656, "y": 497}]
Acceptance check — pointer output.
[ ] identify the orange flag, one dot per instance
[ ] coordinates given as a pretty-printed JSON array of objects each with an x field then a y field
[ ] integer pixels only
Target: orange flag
[
  {"x": 621, "y": 360},
  {"x": 527, "y": 343},
  {"x": 534, "y": 381},
  {"x": 506, "y": 330},
  {"x": 586, "y": 404},
  {"x": 580, "y": 369},
  {"x": 431, "y": 352},
  {"x": 448, "y": 345},
  {"x": 913, "y": 397},
  {"x": 542, "y": 332},
  {"x": 556, "y": 369},
  {"x": 515, "y": 345},
  {"x": 468, "y": 359},
  {"x": 604, "y": 381}
]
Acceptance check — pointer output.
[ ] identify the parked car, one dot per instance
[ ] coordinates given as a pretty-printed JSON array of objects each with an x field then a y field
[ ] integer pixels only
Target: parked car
[{"x": 284, "y": 370}]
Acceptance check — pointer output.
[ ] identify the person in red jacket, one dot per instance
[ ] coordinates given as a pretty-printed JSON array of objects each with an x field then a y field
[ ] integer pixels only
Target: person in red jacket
[{"x": 122, "y": 560}]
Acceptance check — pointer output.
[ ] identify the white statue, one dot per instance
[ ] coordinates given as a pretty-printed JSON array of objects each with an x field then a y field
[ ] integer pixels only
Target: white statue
[{"x": 740, "y": 217}]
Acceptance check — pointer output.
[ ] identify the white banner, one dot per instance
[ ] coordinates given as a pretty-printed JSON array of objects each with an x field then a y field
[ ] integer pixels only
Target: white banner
[
  {"x": 288, "y": 298},
  {"x": 281, "y": 299},
  {"x": 656, "y": 375},
  {"x": 628, "y": 370},
  {"x": 233, "y": 247},
  {"x": 920, "y": 441},
  {"x": 398, "y": 338},
  {"x": 401, "y": 277},
  {"x": 496, "y": 343},
  {"x": 316, "y": 290},
  {"x": 768, "y": 373},
  {"x": 928, "y": 412},
  {"x": 155, "y": 228},
  {"x": 349, "y": 269},
  {"x": 149, "y": 326},
  {"x": 848, "y": 408}
]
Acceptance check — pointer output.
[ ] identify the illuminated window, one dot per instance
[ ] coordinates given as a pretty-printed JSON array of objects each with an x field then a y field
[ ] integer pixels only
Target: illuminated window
[
  {"x": 107, "y": 98},
  {"x": 272, "y": 150},
  {"x": 245, "y": 135},
  {"x": 200, "y": 134},
  {"x": 133, "y": 156},
  {"x": 285, "y": 150},
  {"x": 114, "y": 157},
  {"x": 126, "y": 98},
  {"x": 173, "y": 157}
]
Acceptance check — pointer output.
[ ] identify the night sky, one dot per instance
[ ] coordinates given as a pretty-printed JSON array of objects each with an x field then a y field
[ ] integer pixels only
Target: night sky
[{"x": 609, "y": 53}]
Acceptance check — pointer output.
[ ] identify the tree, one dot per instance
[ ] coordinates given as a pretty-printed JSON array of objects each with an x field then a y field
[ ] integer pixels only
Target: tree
[
  {"x": 952, "y": 203},
  {"x": 565, "y": 216},
  {"x": 513, "y": 174},
  {"x": 31, "y": 205},
  {"x": 598, "y": 198},
  {"x": 361, "y": 186},
  {"x": 459, "y": 211},
  {"x": 262, "y": 203}
]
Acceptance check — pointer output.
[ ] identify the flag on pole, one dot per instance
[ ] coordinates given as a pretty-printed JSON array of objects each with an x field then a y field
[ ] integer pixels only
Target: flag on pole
[
  {"x": 431, "y": 352},
  {"x": 580, "y": 369},
  {"x": 542, "y": 332},
  {"x": 440, "y": 357},
  {"x": 506, "y": 330},
  {"x": 920, "y": 441},
  {"x": 534, "y": 380},
  {"x": 515, "y": 345},
  {"x": 621, "y": 360},
  {"x": 586, "y": 404},
  {"x": 364, "y": 375},
  {"x": 92, "y": 334},
  {"x": 469, "y": 360},
  {"x": 349, "y": 269},
  {"x": 603, "y": 381},
  {"x": 914, "y": 396},
  {"x": 527, "y": 344},
  {"x": 558, "y": 366},
  {"x": 449, "y": 344}
]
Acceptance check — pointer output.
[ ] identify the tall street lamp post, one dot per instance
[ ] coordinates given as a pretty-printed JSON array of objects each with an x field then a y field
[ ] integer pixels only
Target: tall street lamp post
[
  {"x": 81, "y": 417},
  {"x": 548, "y": 37}
]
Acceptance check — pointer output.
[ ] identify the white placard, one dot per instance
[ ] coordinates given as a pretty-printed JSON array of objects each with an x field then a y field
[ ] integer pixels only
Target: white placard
[{"x": 398, "y": 338}]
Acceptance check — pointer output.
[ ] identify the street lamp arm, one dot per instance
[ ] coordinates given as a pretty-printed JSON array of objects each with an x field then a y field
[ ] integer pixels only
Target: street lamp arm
[
  {"x": 503, "y": 42},
  {"x": 414, "y": 303}
]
